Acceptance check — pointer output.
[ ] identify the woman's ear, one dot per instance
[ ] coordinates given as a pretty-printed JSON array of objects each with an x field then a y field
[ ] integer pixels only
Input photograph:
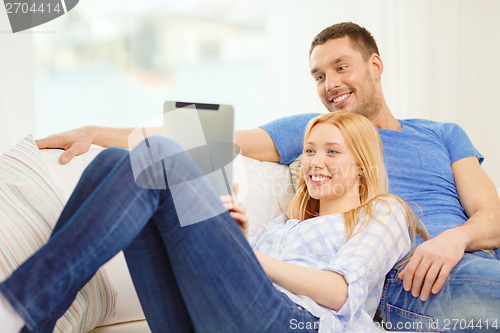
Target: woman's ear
[{"x": 361, "y": 173}]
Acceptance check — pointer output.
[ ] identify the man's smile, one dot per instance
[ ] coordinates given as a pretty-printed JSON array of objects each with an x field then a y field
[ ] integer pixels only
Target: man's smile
[{"x": 340, "y": 100}]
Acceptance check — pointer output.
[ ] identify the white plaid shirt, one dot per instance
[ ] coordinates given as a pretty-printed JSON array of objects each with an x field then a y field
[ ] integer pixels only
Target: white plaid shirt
[{"x": 364, "y": 260}]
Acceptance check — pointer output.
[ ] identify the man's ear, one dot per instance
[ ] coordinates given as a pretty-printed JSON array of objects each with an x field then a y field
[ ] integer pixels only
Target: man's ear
[{"x": 376, "y": 66}]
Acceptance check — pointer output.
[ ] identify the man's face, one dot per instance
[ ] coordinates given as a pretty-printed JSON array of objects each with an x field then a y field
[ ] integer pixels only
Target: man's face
[{"x": 345, "y": 81}]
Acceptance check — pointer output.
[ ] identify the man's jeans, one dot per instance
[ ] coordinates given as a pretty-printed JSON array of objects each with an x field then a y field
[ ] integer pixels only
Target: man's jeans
[
  {"x": 468, "y": 302},
  {"x": 203, "y": 277}
]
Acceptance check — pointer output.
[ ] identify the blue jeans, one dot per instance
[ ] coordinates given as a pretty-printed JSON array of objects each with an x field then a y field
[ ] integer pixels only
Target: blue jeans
[
  {"x": 202, "y": 277},
  {"x": 468, "y": 302}
]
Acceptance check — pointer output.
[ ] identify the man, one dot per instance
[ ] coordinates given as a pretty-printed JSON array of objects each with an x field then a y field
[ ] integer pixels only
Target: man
[{"x": 449, "y": 283}]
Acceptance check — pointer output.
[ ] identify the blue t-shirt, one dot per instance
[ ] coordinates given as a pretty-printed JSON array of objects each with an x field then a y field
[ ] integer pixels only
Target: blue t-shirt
[{"x": 418, "y": 160}]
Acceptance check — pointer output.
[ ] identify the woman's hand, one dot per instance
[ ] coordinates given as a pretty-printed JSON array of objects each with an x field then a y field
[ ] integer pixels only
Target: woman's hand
[{"x": 236, "y": 210}]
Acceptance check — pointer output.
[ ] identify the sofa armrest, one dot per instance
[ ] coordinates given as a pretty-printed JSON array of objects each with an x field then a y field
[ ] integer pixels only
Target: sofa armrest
[{"x": 67, "y": 176}]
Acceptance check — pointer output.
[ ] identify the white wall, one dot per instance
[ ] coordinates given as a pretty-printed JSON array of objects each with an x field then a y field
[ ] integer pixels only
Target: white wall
[
  {"x": 17, "y": 118},
  {"x": 440, "y": 57},
  {"x": 478, "y": 83}
]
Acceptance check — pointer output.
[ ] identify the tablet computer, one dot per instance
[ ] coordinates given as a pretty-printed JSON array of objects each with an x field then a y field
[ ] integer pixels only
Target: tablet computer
[{"x": 206, "y": 132}]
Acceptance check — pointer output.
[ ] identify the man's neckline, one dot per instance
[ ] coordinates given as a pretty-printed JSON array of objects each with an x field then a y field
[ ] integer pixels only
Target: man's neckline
[{"x": 390, "y": 130}]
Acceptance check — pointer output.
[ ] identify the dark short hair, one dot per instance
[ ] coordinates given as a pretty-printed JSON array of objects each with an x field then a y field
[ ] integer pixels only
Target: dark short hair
[{"x": 361, "y": 39}]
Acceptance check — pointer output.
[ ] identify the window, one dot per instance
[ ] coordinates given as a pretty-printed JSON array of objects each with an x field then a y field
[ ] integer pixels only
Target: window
[{"x": 114, "y": 63}]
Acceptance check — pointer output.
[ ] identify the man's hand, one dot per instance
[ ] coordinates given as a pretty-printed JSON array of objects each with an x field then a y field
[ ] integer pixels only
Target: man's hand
[
  {"x": 78, "y": 141},
  {"x": 432, "y": 262},
  {"x": 75, "y": 142}
]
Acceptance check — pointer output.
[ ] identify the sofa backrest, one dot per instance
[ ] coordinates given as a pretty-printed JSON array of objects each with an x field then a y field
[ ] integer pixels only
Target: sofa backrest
[{"x": 265, "y": 188}]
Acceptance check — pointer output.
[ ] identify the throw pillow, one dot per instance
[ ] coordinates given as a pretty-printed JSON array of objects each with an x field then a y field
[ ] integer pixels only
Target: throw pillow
[
  {"x": 29, "y": 207},
  {"x": 295, "y": 171}
]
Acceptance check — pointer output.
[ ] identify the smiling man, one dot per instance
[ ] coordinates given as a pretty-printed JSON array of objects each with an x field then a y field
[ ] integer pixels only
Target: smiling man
[
  {"x": 450, "y": 279},
  {"x": 431, "y": 164}
]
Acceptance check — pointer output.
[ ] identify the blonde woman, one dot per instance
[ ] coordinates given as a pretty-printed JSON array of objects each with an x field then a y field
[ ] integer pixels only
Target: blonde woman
[{"x": 320, "y": 267}]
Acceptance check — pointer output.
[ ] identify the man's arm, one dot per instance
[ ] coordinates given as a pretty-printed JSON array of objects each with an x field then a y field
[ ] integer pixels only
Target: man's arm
[
  {"x": 78, "y": 141},
  {"x": 479, "y": 197},
  {"x": 433, "y": 260},
  {"x": 254, "y": 143},
  {"x": 257, "y": 144}
]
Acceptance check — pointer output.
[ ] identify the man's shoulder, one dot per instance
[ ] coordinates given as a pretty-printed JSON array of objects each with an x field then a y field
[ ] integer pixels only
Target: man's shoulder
[
  {"x": 424, "y": 122},
  {"x": 430, "y": 125},
  {"x": 300, "y": 120}
]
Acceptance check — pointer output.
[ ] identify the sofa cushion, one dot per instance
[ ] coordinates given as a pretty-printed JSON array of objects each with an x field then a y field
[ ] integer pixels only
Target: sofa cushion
[{"x": 30, "y": 204}]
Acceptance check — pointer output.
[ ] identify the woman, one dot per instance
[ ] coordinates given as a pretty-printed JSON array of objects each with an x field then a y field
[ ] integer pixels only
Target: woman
[{"x": 321, "y": 268}]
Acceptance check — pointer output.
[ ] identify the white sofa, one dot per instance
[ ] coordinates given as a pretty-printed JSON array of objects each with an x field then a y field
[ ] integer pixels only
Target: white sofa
[{"x": 264, "y": 188}]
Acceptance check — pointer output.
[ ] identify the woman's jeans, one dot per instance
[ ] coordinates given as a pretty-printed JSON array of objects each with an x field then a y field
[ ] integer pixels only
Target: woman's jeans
[
  {"x": 468, "y": 302},
  {"x": 202, "y": 277}
]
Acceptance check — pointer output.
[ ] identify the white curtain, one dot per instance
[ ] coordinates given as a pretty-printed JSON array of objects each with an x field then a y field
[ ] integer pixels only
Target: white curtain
[
  {"x": 440, "y": 57},
  {"x": 17, "y": 117}
]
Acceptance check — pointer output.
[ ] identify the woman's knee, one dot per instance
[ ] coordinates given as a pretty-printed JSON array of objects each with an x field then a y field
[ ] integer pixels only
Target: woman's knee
[
  {"x": 106, "y": 160},
  {"x": 157, "y": 148},
  {"x": 159, "y": 162},
  {"x": 111, "y": 155}
]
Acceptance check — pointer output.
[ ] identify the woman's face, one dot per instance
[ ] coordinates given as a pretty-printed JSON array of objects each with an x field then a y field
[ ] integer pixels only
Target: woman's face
[{"x": 329, "y": 168}]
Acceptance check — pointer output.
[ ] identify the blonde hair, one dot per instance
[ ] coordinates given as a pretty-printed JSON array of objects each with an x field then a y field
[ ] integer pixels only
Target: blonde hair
[{"x": 363, "y": 140}]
